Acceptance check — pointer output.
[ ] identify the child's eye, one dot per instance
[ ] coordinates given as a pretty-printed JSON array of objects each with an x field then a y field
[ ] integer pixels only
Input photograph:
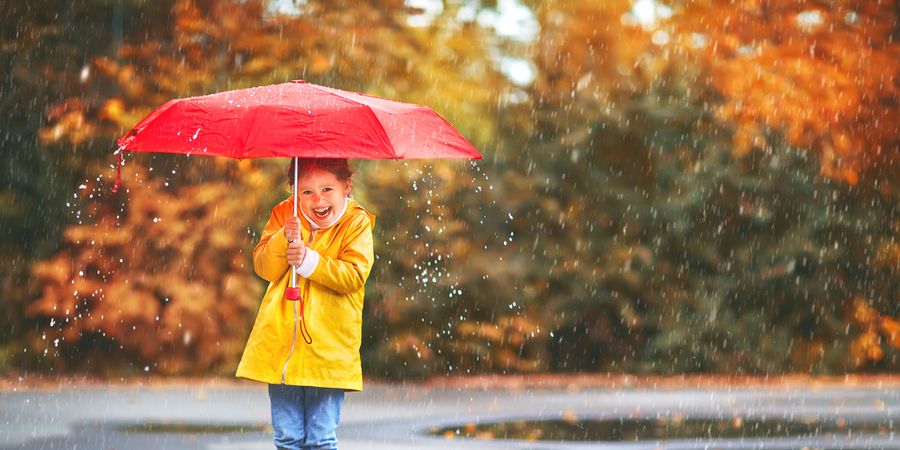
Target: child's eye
[
  {"x": 328, "y": 189},
  {"x": 306, "y": 192}
]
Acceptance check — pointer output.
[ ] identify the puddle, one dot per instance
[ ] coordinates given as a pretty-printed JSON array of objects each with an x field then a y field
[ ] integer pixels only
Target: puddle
[
  {"x": 193, "y": 428},
  {"x": 663, "y": 429}
]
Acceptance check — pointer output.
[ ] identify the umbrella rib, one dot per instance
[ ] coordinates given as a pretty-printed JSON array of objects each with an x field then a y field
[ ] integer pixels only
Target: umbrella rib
[
  {"x": 413, "y": 108},
  {"x": 331, "y": 92}
]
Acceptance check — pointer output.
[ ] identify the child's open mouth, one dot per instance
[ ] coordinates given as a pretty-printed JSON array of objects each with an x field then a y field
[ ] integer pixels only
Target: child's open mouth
[{"x": 321, "y": 213}]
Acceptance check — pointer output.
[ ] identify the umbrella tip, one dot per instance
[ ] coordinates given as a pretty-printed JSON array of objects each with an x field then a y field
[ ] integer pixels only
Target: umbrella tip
[{"x": 298, "y": 81}]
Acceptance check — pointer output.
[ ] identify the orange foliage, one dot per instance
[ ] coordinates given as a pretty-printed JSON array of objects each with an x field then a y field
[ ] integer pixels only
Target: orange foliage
[
  {"x": 891, "y": 330},
  {"x": 504, "y": 344},
  {"x": 824, "y": 75},
  {"x": 866, "y": 347},
  {"x": 877, "y": 329},
  {"x": 69, "y": 122},
  {"x": 586, "y": 55},
  {"x": 165, "y": 280}
]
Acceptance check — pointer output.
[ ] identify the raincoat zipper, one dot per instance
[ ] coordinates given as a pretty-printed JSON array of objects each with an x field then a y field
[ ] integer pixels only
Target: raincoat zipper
[
  {"x": 293, "y": 342},
  {"x": 294, "y": 333}
]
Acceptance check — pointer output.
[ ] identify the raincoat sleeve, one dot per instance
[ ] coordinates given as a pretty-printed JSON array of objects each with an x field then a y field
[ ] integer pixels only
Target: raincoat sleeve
[
  {"x": 270, "y": 254},
  {"x": 348, "y": 272}
]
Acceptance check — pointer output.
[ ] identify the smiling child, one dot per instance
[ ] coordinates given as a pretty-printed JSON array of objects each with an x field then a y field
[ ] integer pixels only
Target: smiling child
[{"x": 307, "y": 351}]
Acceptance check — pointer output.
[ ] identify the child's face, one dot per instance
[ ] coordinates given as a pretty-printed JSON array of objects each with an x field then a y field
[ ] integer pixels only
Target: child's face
[{"x": 321, "y": 195}]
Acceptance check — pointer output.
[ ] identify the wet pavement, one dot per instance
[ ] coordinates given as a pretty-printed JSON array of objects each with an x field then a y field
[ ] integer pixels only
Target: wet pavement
[{"x": 401, "y": 416}]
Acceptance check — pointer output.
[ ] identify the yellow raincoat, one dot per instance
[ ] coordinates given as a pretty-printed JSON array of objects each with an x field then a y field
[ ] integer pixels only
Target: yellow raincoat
[{"x": 276, "y": 352}]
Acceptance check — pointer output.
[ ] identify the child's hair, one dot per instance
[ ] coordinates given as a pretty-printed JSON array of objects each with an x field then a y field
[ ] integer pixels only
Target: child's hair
[{"x": 337, "y": 166}]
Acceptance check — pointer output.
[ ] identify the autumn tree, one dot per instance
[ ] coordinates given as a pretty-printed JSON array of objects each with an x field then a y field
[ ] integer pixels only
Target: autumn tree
[
  {"x": 183, "y": 301},
  {"x": 821, "y": 75},
  {"x": 667, "y": 244},
  {"x": 154, "y": 279},
  {"x": 50, "y": 145}
]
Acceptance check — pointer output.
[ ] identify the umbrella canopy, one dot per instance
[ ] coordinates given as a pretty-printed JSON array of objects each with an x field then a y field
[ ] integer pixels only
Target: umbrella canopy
[{"x": 296, "y": 119}]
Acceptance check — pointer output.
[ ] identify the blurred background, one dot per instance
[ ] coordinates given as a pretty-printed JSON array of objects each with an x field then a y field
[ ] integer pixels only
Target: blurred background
[{"x": 668, "y": 187}]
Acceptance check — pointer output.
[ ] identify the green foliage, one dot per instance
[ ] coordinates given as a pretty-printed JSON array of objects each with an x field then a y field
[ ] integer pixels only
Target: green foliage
[
  {"x": 657, "y": 249},
  {"x": 761, "y": 260}
]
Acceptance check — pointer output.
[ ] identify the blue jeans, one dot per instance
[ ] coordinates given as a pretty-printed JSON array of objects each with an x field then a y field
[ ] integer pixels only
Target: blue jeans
[{"x": 305, "y": 417}]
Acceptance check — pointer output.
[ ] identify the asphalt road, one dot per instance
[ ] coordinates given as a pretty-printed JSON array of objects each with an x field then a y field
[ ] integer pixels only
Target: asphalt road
[{"x": 401, "y": 416}]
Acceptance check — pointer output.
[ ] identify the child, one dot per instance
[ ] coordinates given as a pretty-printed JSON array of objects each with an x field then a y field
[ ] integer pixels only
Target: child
[{"x": 308, "y": 350}]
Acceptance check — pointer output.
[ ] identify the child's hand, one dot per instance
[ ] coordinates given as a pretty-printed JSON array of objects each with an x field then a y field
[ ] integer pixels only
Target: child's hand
[
  {"x": 296, "y": 251},
  {"x": 292, "y": 229}
]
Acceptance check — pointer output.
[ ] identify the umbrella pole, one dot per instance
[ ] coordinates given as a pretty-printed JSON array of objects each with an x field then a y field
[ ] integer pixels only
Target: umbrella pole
[{"x": 293, "y": 292}]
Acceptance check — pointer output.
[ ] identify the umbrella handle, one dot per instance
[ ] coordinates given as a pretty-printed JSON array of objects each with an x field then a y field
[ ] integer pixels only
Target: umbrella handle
[{"x": 293, "y": 292}]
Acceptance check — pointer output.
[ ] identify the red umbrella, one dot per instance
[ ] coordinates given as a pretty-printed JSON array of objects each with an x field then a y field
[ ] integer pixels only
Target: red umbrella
[{"x": 296, "y": 119}]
